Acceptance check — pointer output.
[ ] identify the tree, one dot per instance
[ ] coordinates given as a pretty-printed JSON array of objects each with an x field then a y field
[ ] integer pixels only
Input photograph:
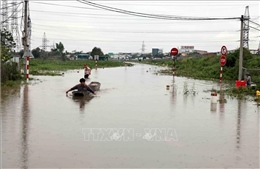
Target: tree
[
  {"x": 96, "y": 51},
  {"x": 9, "y": 70},
  {"x": 59, "y": 50},
  {"x": 7, "y": 43},
  {"x": 36, "y": 52}
]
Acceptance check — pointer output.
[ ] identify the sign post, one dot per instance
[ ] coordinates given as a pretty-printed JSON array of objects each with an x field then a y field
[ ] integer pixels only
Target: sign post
[
  {"x": 223, "y": 60},
  {"x": 96, "y": 58},
  {"x": 174, "y": 52}
]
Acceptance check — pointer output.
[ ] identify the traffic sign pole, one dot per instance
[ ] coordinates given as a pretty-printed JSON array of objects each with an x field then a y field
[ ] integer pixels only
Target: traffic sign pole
[
  {"x": 222, "y": 61},
  {"x": 174, "y": 52},
  {"x": 220, "y": 77}
]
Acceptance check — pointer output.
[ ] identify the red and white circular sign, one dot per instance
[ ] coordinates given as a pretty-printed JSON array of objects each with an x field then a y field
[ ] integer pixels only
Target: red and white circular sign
[
  {"x": 223, "y": 60},
  {"x": 223, "y": 50},
  {"x": 174, "y": 51}
]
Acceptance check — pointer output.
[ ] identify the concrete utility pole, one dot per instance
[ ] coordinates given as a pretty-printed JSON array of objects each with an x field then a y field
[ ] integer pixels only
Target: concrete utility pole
[
  {"x": 240, "y": 72},
  {"x": 25, "y": 31},
  {"x": 25, "y": 39}
]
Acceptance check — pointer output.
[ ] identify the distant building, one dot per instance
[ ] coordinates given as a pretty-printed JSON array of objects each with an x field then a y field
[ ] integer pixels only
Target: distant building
[
  {"x": 156, "y": 51},
  {"x": 253, "y": 51},
  {"x": 202, "y": 52},
  {"x": 186, "y": 49},
  {"x": 83, "y": 56}
]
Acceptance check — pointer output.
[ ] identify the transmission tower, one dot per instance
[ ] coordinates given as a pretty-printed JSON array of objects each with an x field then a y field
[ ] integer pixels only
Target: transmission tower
[
  {"x": 4, "y": 14},
  {"x": 14, "y": 26},
  {"x": 44, "y": 42},
  {"x": 143, "y": 48},
  {"x": 246, "y": 28}
]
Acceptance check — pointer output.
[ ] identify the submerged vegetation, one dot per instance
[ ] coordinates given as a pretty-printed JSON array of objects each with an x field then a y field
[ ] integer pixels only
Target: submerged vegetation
[
  {"x": 187, "y": 90},
  {"x": 208, "y": 67},
  {"x": 47, "y": 66},
  {"x": 50, "y": 67}
]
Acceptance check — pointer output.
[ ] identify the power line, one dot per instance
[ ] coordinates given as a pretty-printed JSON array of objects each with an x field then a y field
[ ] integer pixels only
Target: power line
[
  {"x": 118, "y": 29},
  {"x": 64, "y": 5},
  {"x": 165, "y": 17},
  {"x": 254, "y": 23},
  {"x": 254, "y": 28}
]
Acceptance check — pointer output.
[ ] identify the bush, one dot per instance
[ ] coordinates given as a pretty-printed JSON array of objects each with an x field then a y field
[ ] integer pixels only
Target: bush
[{"x": 10, "y": 72}]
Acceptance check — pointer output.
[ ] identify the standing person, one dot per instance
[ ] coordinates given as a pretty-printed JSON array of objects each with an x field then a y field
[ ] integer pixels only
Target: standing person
[
  {"x": 82, "y": 87},
  {"x": 87, "y": 71},
  {"x": 248, "y": 79}
]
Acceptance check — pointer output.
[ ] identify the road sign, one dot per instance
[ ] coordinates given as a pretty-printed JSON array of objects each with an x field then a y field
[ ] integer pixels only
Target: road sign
[
  {"x": 223, "y": 50},
  {"x": 174, "y": 51},
  {"x": 223, "y": 60}
]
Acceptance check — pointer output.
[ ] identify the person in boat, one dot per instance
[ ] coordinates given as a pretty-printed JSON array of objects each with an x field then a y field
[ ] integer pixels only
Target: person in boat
[
  {"x": 87, "y": 71},
  {"x": 82, "y": 87}
]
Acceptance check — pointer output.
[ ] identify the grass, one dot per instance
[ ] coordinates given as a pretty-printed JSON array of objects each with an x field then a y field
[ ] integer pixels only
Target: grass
[{"x": 52, "y": 67}]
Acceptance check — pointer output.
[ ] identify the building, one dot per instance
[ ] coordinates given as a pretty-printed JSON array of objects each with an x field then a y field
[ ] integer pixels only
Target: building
[
  {"x": 202, "y": 52},
  {"x": 186, "y": 49},
  {"x": 156, "y": 51},
  {"x": 83, "y": 56}
]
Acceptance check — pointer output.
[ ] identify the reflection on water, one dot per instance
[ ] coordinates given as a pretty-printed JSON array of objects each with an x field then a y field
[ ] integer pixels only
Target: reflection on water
[
  {"x": 43, "y": 129},
  {"x": 82, "y": 101},
  {"x": 213, "y": 107},
  {"x": 238, "y": 124},
  {"x": 25, "y": 128},
  {"x": 222, "y": 102}
]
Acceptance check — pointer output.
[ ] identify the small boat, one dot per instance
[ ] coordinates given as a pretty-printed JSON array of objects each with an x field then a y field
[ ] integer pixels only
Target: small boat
[
  {"x": 80, "y": 93},
  {"x": 95, "y": 86}
]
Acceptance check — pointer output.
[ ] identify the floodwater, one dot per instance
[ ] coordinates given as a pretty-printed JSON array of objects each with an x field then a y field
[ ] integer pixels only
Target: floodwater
[{"x": 133, "y": 122}]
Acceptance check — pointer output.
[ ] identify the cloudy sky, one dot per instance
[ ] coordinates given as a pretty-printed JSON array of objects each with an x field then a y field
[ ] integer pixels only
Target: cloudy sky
[{"x": 81, "y": 26}]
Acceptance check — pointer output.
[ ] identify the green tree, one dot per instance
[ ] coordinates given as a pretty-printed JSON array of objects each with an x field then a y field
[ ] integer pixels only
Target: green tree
[
  {"x": 59, "y": 50},
  {"x": 9, "y": 70},
  {"x": 7, "y": 43},
  {"x": 36, "y": 52},
  {"x": 96, "y": 51}
]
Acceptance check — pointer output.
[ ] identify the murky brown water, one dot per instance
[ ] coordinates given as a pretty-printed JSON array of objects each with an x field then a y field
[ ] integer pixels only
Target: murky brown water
[{"x": 134, "y": 122}]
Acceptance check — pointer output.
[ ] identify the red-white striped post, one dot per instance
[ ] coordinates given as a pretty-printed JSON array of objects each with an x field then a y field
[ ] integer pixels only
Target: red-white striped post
[
  {"x": 221, "y": 71},
  {"x": 27, "y": 67}
]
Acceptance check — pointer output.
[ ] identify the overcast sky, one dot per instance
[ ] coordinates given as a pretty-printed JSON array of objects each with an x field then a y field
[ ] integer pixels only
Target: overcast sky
[{"x": 81, "y": 27}]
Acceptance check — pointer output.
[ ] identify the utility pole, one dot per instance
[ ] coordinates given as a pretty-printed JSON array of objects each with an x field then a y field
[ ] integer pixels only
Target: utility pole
[
  {"x": 25, "y": 40},
  {"x": 25, "y": 31},
  {"x": 240, "y": 72}
]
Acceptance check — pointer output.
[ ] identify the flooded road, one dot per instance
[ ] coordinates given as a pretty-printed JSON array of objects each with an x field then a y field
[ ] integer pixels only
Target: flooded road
[{"x": 133, "y": 122}]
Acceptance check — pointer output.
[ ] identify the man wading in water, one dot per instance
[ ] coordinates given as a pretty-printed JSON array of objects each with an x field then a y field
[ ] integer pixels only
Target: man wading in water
[
  {"x": 81, "y": 87},
  {"x": 87, "y": 71}
]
